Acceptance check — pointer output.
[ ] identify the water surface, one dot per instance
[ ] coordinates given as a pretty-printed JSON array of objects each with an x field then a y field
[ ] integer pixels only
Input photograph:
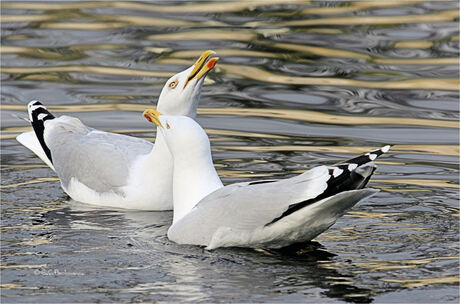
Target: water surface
[{"x": 298, "y": 84}]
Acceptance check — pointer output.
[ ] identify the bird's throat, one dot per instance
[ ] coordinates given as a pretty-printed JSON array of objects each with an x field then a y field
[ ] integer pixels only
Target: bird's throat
[{"x": 193, "y": 179}]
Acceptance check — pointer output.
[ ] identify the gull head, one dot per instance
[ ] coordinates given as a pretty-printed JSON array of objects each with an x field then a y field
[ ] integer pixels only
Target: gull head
[
  {"x": 183, "y": 135},
  {"x": 181, "y": 93}
]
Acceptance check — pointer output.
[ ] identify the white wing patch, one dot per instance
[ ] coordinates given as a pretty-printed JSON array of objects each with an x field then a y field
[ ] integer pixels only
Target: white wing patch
[
  {"x": 337, "y": 171},
  {"x": 352, "y": 167},
  {"x": 372, "y": 156},
  {"x": 41, "y": 116},
  {"x": 385, "y": 149}
]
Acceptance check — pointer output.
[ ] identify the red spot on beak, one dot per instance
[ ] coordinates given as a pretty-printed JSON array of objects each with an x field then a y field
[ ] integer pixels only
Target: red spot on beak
[
  {"x": 211, "y": 63},
  {"x": 148, "y": 118}
]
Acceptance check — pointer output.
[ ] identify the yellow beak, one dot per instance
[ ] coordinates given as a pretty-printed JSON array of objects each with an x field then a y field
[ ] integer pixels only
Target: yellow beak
[
  {"x": 153, "y": 116},
  {"x": 202, "y": 66}
]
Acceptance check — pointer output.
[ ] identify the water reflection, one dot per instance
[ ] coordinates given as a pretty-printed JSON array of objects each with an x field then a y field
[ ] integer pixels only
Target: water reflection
[
  {"x": 142, "y": 234},
  {"x": 447, "y": 15},
  {"x": 299, "y": 83},
  {"x": 303, "y": 115}
]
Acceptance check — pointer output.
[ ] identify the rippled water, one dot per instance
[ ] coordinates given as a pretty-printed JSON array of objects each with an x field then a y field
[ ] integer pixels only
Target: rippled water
[{"x": 299, "y": 84}]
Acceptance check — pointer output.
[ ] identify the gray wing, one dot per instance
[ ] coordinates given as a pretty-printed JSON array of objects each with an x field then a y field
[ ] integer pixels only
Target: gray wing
[
  {"x": 100, "y": 160},
  {"x": 247, "y": 206}
]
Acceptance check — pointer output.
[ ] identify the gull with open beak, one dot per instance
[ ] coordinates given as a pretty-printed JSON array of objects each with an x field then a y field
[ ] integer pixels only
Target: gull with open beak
[
  {"x": 181, "y": 94},
  {"x": 257, "y": 214},
  {"x": 109, "y": 169}
]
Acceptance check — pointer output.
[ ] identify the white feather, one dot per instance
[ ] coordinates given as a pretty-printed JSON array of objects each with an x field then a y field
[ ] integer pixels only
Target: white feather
[
  {"x": 30, "y": 141},
  {"x": 269, "y": 215},
  {"x": 41, "y": 116},
  {"x": 336, "y": 172},
  {"x": 115, "y": 170},
  {"x": 352, "y": 167}
]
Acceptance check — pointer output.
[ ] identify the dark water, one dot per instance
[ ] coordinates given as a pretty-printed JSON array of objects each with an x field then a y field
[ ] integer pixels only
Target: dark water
[{"x": 298, "y": 84}]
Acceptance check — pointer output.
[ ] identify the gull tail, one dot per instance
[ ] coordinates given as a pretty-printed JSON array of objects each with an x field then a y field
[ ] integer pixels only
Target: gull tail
[
  {"x": 353, "y": 174},
  {"x": 35, "y": 141}
]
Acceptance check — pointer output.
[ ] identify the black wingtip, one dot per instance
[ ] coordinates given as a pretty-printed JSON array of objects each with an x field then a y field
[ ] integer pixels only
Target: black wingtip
[
  {"x": 345, "y": 168},
  {"x": 35, "y": 103},
  {"x": 38, "y": 114},
  {"x": 364, "y": 158},
  {"x": 37, "y": 111},
  {"x": 343, "y": 177}
]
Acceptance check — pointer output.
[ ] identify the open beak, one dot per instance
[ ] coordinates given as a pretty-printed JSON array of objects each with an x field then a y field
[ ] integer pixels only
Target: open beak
[
  {"x": 202, "y": 66},
  {"x": 153, "y": 116}
]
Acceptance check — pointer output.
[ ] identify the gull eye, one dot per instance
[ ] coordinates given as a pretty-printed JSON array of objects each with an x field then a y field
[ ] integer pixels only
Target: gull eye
[
  {"x": 173, "y": 84},
  {"x": 167, "y": 125}
]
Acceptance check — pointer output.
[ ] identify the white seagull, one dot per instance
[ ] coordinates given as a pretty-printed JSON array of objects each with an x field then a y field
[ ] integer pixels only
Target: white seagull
[
  {"x": 109, "y": 169},
  {"x": 261, "y": 214}
]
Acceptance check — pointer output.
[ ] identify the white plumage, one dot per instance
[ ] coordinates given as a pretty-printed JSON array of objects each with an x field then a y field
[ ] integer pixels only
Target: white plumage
[
  {"x": 114, "y": 170},
  {"x": 267, "y": 214}
]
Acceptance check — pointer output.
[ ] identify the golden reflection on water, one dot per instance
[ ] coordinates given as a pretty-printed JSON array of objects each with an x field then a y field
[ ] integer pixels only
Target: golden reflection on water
[
  {"x": 225, "y": 52},
  {"x": 429, "y": 260},
  {"x": 442, "y": 16},
  {"x": 350, "y": 233},
  {"x": 28, "y": 227},
  {"x": 10, "y": 254},
  {"x": 236, "y": 34},
  {"x": 243, "y": 174},
  {"x": 300, "y": 48},
  {"x": 84, "y": 26},
  {"x": 40, "y": 53},
  {"x": 32, "y": 181},
  {"x": 328, "y": 52},
  {"x": 325, "y": 118},
  {"x": 320, "y": 51},
  {"x": 204, "y": 7},
  {"x": 375, "y": 265},
  {"x": 52, "y": 6},
  {"x": 147, "y": 21},
  {"x": 244, "y": 134},
  {"x": 210, "y": 7},
  {"x": 227, "y": 7},
  {"x": 411, "y": 283},
  {"x": 395, "y": 189},
  {"x": 16, "y": 286},
  {"x": 383, "y": 265},
  {"x": 455, "y": 61},
  {"x": 405, "y": 83},
  {"x": 414, "y": 44},
  {"x": 373, "y": 215},
  {"x": 358, "y": 6},
  {"x": 43, "y": 207},
  {"x": 256, "y": 73},
  {"x": 420, "y": 182},
  {"x": 447, "y": 150},
  {"x": 22, "y": 266},
  {"x": 106, "y": 21},
  {"x": 25, "y": 18},
  {"x": 223, "y": 34},
  {"x": 86, "y": 69},
  {"x": 300, "y": 115}
]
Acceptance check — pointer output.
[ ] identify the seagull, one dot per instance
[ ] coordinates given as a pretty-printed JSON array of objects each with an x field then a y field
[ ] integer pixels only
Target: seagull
[
  {"x": 258, "y": 214},
  {"x": 114, "y": 170}
]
